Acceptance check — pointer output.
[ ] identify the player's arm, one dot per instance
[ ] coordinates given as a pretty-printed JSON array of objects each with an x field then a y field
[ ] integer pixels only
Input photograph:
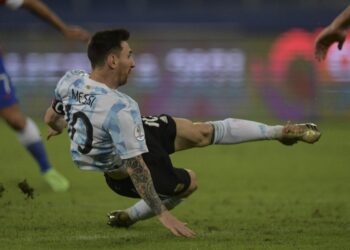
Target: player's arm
[
  {"x": 55, "y": 122},
  {"x": 342, "y": 21},
  {"x": 142, "y": 180},
  {"x": 43, "y": 11},
  {"x": 335, "y": 32}
]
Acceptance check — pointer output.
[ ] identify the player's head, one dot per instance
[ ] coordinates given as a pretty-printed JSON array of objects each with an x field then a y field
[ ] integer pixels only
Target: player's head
[{"x": 109, "y": 48}]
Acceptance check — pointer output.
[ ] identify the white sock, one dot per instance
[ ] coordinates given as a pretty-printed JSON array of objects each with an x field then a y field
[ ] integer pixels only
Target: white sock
[
  {"x": 141, "y": 211},
  {"x": 30, "y": 134},
  {"x": 30, "y": 138},
  {"x": 232, "y": 131}
]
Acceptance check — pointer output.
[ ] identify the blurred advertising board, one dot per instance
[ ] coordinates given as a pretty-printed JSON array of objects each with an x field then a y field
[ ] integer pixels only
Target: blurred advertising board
[{"x": 204, "y": 73}]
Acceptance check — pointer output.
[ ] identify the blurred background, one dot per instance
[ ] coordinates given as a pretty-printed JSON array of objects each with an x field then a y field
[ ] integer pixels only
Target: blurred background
[{"x": 200, "y": 59}]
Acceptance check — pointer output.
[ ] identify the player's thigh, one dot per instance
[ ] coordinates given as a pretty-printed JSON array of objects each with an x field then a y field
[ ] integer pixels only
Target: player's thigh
[
  {"x": 13, "y": 116},
  {"x": 192, "y": 134},
  {"x": 167, "y": 180},
  {"x": 160, "y": 132},
  {"x": 177, "y": 182}
]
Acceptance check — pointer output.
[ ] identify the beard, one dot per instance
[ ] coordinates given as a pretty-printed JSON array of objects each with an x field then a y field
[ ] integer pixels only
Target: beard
[{"x": 123, "y": 80}]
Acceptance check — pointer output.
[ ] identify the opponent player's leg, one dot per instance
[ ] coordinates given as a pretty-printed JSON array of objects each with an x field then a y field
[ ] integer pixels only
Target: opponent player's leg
[
  {"x": 232, "y": 131},
  {"x": 141, "y": 211},
  {"x": 29, "y": 136},
  {"x": 27, "y": 132}
]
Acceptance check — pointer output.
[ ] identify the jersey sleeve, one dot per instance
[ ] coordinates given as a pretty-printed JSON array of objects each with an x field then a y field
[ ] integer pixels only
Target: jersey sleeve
[
  {"x": 125, "y": 127},
  {"x": 60, "y": 92},
  {"x": 12, "y": 4},
  {"x": 62, "y": 87},
  {"x": 57, "y": 106}
]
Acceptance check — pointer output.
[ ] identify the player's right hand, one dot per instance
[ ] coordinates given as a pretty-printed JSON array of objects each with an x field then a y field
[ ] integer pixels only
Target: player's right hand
[
  {"x": 177, "y": 227},
  {"x": 326, "y": 38}
]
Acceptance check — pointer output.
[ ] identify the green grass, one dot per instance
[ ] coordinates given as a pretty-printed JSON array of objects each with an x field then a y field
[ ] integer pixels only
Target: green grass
[{"x": 251, "y": 196}]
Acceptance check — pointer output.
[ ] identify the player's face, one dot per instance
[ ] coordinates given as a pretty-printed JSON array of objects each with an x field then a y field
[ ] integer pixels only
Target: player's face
[{"x": 126, "y": 63}]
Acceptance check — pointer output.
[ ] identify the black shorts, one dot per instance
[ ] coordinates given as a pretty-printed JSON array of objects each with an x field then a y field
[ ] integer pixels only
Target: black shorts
[{"x": 160, "y": 133}]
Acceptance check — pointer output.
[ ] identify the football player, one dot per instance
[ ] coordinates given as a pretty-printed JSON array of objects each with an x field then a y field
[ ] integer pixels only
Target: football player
[
  {"x": 108, "y": 134},
  {"x": 27, "y": 131}
]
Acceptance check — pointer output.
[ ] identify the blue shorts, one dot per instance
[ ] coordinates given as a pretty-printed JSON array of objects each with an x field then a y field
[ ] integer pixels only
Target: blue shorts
[{"x": 7, "y": 91}]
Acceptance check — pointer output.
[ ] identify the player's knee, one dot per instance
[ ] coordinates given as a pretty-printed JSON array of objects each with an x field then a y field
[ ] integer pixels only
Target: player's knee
[{"x": 193, "y": 184}]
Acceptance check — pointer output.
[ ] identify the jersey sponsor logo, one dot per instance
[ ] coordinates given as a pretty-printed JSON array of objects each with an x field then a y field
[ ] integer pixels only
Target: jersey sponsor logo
[
  {"x": 139, "y": 134},
  {"x": 81, "y": 97}
]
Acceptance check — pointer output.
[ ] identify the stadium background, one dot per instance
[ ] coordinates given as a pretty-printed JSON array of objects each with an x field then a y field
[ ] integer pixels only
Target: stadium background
[{"x": 204, "y": 59}]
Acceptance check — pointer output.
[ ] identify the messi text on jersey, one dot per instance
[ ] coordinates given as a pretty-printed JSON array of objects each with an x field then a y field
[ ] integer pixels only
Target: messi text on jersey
[{"x": 83, "y": 98}]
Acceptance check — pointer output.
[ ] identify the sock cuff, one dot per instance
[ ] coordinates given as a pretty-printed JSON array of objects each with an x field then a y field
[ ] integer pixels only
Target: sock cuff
[
  {"x": 30, "y": 134},
  {"x": 219, "y": 131}
]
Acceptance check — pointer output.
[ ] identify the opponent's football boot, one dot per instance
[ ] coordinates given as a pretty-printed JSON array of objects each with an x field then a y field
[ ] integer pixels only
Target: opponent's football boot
[{"x": 56, "y": 181}]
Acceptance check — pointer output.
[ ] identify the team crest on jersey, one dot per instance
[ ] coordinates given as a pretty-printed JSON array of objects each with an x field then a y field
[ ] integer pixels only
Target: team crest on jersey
[{"x": 139, "y": 134}]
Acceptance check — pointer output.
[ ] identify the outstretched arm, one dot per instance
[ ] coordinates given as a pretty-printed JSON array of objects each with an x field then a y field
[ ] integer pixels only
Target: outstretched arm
[
  {"x": 43, "y": 11},
  {"x": 335, "y": 32},
  {"x": 143, "y": 183}
]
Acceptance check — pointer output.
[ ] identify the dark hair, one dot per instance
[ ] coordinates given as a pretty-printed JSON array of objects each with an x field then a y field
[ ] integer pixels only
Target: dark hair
[{"x": 103, "y": 42}]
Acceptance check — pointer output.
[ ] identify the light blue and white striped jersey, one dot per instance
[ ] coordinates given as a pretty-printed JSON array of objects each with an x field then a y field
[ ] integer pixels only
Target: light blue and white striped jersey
[{"x": 104, "y": 124}]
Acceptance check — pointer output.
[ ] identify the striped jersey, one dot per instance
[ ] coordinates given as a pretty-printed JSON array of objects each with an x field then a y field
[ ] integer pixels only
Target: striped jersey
[{"x": 104, "y": 125}]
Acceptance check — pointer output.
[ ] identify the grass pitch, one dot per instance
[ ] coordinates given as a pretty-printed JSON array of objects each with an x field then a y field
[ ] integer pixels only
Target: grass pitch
[{"x": 258, "y": 195}]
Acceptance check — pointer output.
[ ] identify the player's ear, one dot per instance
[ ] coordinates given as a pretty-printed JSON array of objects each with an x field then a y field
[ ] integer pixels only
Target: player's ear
[{"x": 112, "y": 60}]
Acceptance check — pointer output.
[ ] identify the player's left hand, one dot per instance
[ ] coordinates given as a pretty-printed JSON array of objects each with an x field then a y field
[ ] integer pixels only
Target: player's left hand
[{"x": 326, "y": 38}]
